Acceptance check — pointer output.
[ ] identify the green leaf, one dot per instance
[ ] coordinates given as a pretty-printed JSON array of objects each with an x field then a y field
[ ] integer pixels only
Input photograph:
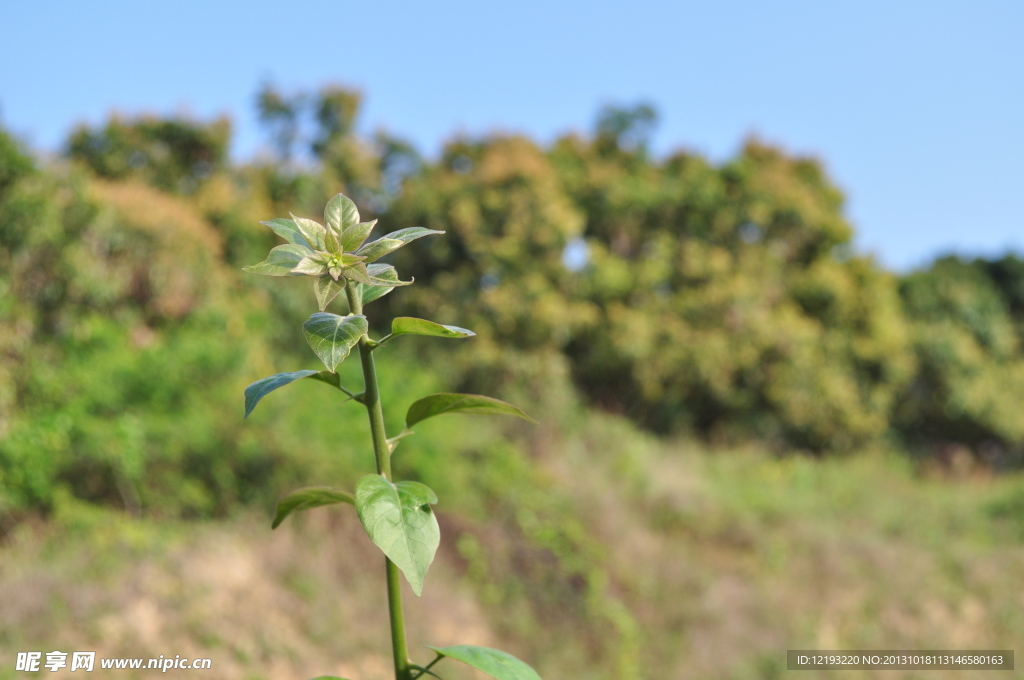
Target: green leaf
[
  {"x": 493, "y": 662},
  {"x": 340, "y": 213},
  {"x": 354, "y": 236},
  {"x": 384, "y": 275},
  {"x": 313, "y": 264},
  {"x": 305, "y": 499},
  {"x": 374, "y": 250},
  {"x": 398, "y": 519},
  {"x": 312, "y": 231},
  {"x": 280, "y": 261},
  {"x": 357, "y": 272},
  {"x": 407, "y": 325},
  {"x": 410, "y": 234},
  {"x": 349, "y": 259},
  {"x": 287, "y": 230},
  {"x": 332, "y": 337},
  {"x": 326, "y": 289},
  {"x": 436, "y": 404},
  {"x": 261, "y": 388}
]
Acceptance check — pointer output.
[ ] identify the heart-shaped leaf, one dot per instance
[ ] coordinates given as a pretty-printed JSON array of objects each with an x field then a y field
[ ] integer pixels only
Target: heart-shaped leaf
[
  {"x": 340, "y": 213},
  {"x": 305, "y": 499},
  {"x": 436, "y": 404},
  {"x": 326, "y": 289},
  {"x": 332, "y": 337},
  {"x": 281, "y": 261},
  {"x": 354, "y": 236},
  {"x": 398, "y": 519},
  {"x": 407, "y": 325},
  {"x": 493, "y": 662},
  {"x": 311, "y": 230},
  {"x": 287, "y": 230},
  {"x": 261, "y": 388},
  {"x": 374, "y": 250}
]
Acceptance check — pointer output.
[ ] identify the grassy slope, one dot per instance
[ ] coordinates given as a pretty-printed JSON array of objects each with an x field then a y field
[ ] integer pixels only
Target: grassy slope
[{"x": 657, "y": 560}]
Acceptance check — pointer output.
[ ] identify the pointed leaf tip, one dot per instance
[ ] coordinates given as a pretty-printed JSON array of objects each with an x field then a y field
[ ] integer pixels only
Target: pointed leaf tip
[
  {"x": 332, "y": 337},
  {"x": 340, "y": 213},
  {"x": 407, "y": 325},
  {"x": 263, "y": 387},
  {"x": 436, "y": 404},
  {"x": 494, "y": 662}
]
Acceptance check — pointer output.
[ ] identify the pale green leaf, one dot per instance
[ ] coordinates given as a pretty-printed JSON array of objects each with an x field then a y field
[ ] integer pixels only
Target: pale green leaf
[
  {"x": 280, "y": 261},
  {"x": 436, "y": 404},
  {"x": 332, "y": 337},
  {"x": 374, "y": 250},
  {"x": 287, "y": 230},
  {"x": 410, "y": 234},
  {"x": 261, "y": 388},
  {"x": 341, "y": 213},
  {"x": 384, "y": 275},
  {"x": 305, "y": 499},
  {"x": 313, "y": 264},
  {"x": 311, "y": 230},
  {"x": 407, "y": 325},
  {"x": 399, "y": 520},
  {"x": 354, "y": 236},
  {"x": 326, "y": 289},
  {"x": 357, "y": 272},
  {"x": 349, "y": 259},
  {"x": 493, "y": 662}
]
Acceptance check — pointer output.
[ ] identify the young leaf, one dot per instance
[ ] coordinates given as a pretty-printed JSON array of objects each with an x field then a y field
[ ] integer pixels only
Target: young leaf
[
  {"x": 357, "y": 272},
  {"x": 407, "y": 325},
  {"x": 436, "y": 404},
  {"x": 332, "y": 337},
  {"x": 312, "y": 231},
  {"x": 261, "y": 388},
  {"x": 374, "y": 250},
  {"x": 410, "y": 234},
  {"x": 398, "y": 519},
  {"x": 305, "y": 499},
  {"x": 493, "y": 662},
  {"x": 326, "y": 289},
  {"x": 354, "y": 236},
  {"x": 340, "y": 213},
  {"x": 280, "y": 261},
  {"x": 287, "y": 230},
  {"x": 313, "y": 264}
]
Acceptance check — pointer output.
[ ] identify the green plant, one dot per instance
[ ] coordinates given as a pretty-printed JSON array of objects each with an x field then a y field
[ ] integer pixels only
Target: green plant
[{"x": 396, "y": 515}]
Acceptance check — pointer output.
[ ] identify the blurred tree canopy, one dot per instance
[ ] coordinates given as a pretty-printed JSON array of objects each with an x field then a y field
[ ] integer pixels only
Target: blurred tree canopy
[{"x": 724, "y": 301}]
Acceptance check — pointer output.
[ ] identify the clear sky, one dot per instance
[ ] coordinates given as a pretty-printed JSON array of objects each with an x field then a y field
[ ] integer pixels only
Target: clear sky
[{"x": 916, "y": 108}]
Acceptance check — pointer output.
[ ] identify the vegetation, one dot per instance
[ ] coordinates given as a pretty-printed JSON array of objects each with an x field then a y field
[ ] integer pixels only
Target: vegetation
[{"x": 645, "y": 307}]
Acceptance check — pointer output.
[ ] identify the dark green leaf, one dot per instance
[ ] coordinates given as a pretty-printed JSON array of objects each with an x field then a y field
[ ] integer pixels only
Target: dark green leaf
[
  {"x": 374, "y": 250},
  {"x": 280, "y": 261},
  {"x": 326, "y": 289},
  {"x": 340, "y": 213},
  {"x": 398, "y": 519},
  {"x": 312, "y": 231},
  {"x": 407, "y": 325},
  {"x": 410, "y": 234},
  {"x": 261, "y": 388},
  {"x": 493, "y": 662},
  {"x": 312, "y": 497},
  {"x": 332, "y": 337},
  {"x": 287, "y": 230},
  {"x": 436, "y": 404},
  {"x": 354, "y": 236}
]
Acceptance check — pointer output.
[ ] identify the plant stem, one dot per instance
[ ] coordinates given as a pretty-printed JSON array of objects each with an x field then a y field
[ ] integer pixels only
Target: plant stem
[{"x": 382, "y": 454}]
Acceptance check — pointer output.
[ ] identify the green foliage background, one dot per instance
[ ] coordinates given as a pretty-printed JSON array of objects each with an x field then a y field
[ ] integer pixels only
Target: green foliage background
[{"x": 721, "y": 304}]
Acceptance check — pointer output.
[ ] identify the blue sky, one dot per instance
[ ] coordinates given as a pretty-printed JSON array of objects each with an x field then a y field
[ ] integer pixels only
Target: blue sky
[{"x": 916, "y": 108}]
